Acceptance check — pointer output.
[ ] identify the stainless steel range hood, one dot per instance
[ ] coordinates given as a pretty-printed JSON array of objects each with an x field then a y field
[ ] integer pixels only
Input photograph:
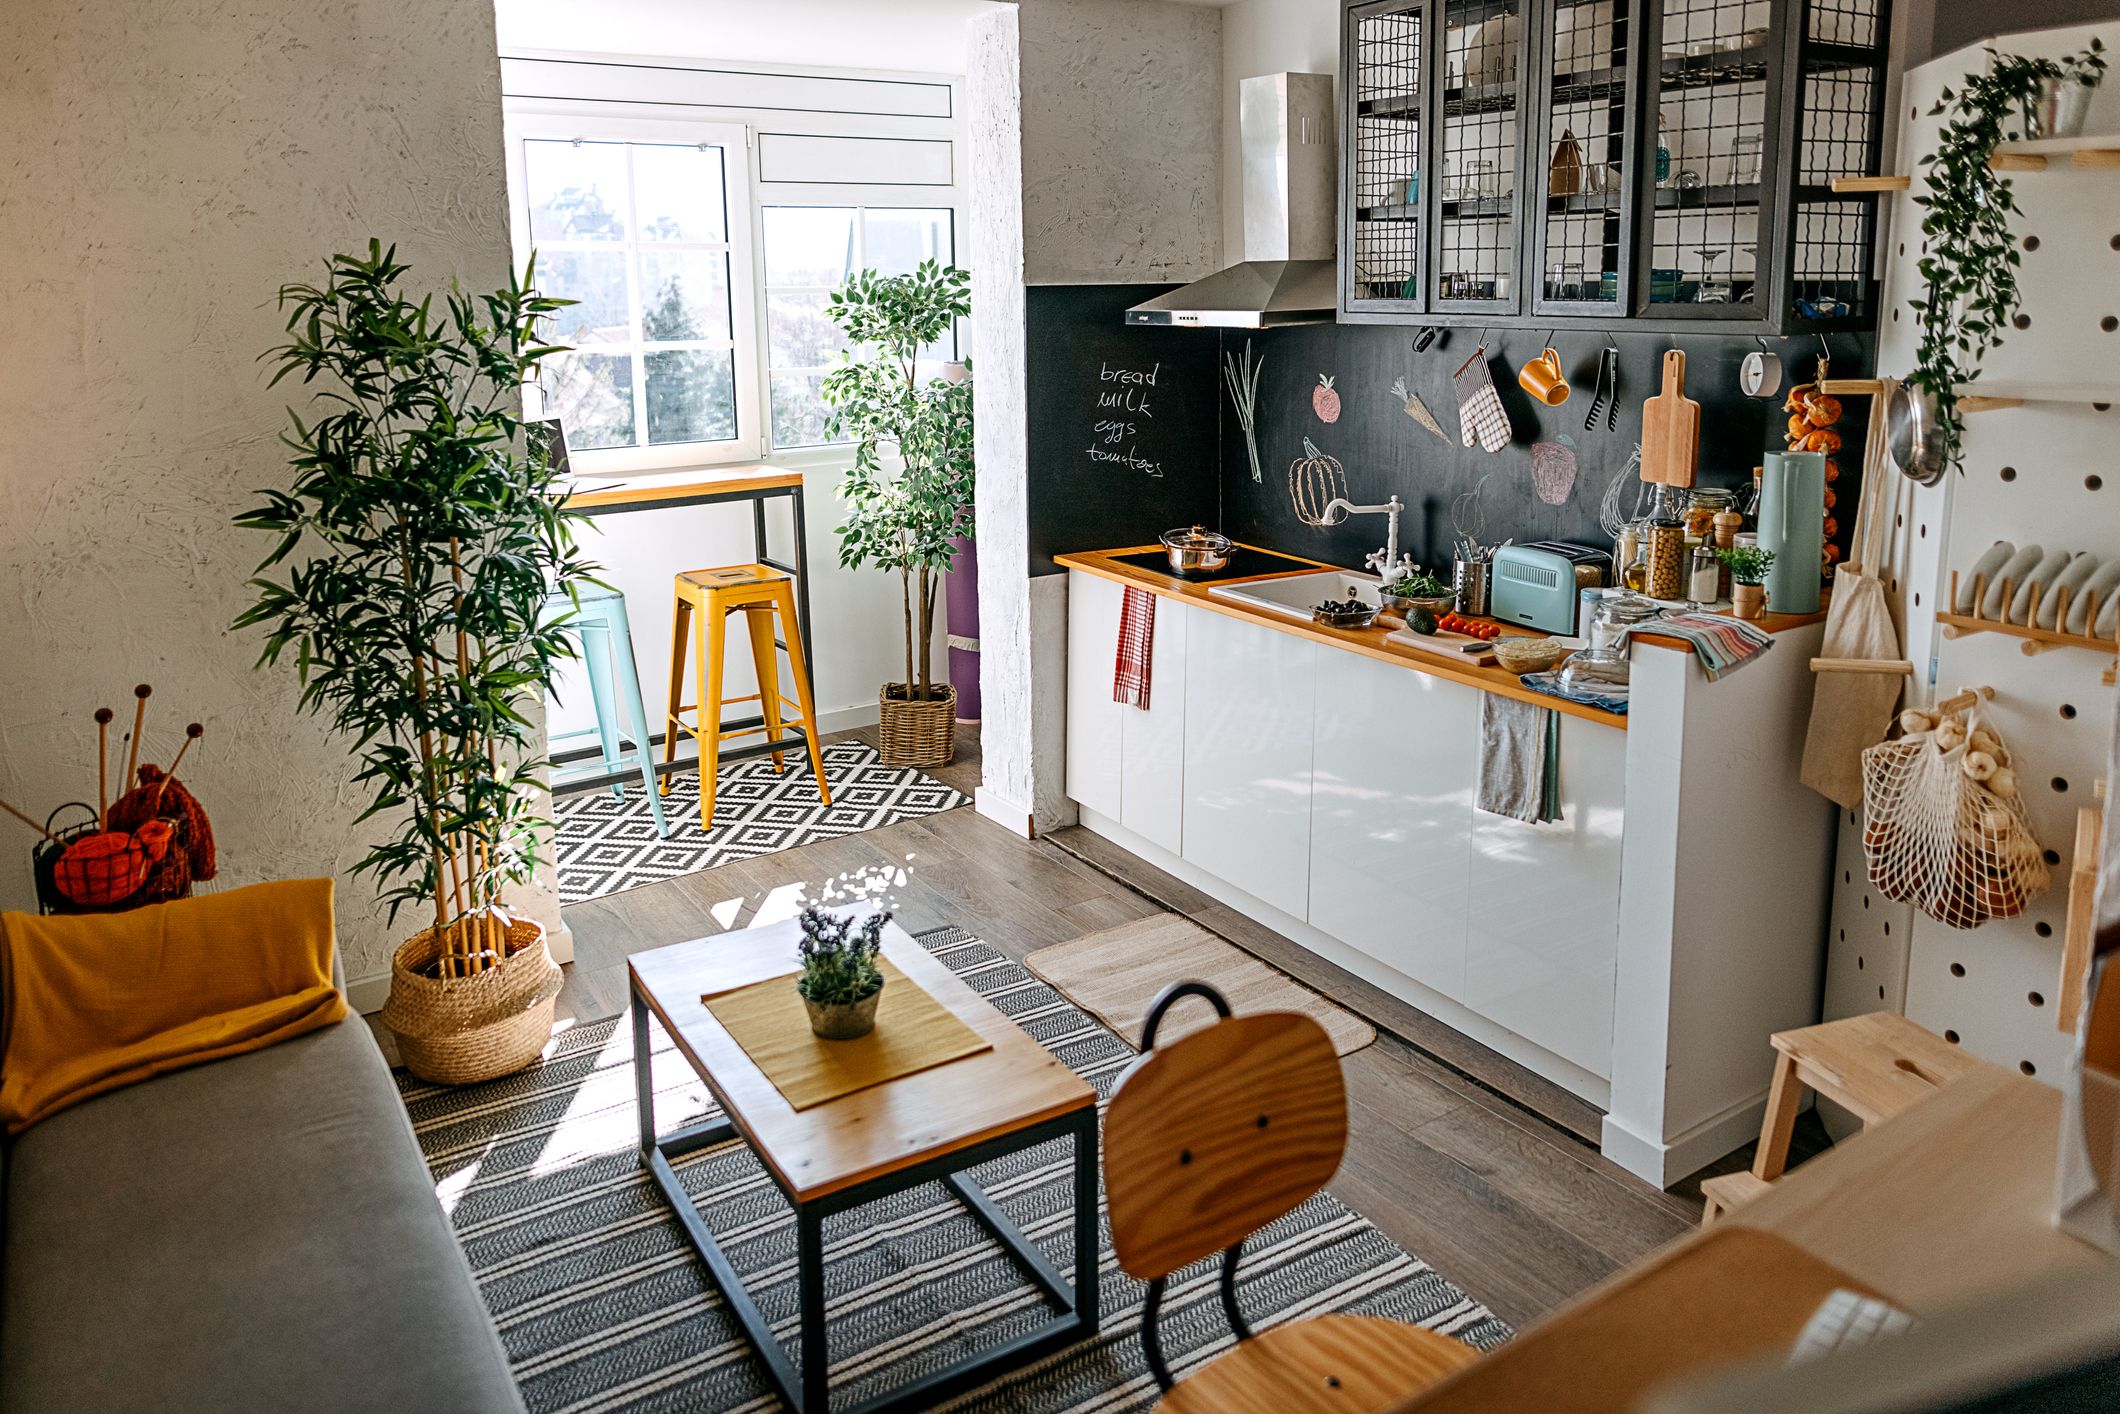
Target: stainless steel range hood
[{"x": 1288, "y": 275}]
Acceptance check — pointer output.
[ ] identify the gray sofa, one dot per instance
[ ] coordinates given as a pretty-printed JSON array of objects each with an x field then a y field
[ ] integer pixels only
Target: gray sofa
[{"x": 258, "y": 1233}]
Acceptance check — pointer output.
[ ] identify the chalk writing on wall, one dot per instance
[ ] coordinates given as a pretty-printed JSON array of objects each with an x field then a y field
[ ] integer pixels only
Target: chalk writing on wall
[{"x": 1126, "y": 401}]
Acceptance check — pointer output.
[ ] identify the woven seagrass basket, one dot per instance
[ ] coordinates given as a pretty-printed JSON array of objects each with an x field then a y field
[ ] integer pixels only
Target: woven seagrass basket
[
  {"x": 916, "y": 733},
  {"x": 461, "y": 1030}
]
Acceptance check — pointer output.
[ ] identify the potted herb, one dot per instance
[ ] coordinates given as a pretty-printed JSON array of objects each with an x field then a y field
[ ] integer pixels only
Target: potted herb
[
  {"x": 421, "y": 544},
  {"x": 1969, "y": 270},
  {"x": 840, "y": 981},
  {"x": 909, "y": 492},
  {"x": 1748, "y": 566}
]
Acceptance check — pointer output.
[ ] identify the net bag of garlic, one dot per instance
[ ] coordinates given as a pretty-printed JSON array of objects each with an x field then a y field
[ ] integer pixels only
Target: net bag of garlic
[{"x": 1944, "y": 828}]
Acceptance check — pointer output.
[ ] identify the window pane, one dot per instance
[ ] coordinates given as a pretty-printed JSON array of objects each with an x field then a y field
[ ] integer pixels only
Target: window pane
[
  {"x": 799, "y": 410},
  {"x": 684, "y": 294},
  {"x": 680, "y": 193},
  {"x": 595, "y": 278},
  {"x": 691, "y": 395},
  {"x": 798, "y": 332},
  {"x": 577, "y": 190},
  {"x": 809, "y": 245},
  {"x": 899, "y": 240},
  {"x": 592, "y": 395}
]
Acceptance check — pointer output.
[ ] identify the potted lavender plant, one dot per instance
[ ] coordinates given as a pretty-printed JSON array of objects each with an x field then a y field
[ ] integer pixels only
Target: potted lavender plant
[{"x": 840, "y": 981}]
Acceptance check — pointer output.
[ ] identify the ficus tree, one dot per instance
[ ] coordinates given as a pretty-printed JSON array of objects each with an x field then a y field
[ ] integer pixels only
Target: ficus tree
[
  {"x": 417, "y": 544},
  {"x": 909, "y": 492}
]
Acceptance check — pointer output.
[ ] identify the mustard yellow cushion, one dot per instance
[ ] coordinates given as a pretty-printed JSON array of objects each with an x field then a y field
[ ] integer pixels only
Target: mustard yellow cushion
[{"x": 100, "y": 1001}]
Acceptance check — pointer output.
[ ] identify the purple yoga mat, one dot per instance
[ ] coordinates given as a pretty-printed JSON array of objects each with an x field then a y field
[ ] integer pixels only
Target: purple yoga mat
[{"x": 960, "y": 592}]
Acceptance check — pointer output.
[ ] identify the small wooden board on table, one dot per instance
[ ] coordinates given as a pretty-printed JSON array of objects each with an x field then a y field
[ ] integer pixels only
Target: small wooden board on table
[{"x": 926, "y": 1126}]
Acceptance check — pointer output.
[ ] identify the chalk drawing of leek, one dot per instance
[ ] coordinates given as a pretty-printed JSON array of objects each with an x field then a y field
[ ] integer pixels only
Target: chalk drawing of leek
[{"x": 1243, "y": 380}]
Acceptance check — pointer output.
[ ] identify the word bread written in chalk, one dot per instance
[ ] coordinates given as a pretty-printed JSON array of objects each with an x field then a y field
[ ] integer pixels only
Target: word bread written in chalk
[{"x": 1124, "y": 391}]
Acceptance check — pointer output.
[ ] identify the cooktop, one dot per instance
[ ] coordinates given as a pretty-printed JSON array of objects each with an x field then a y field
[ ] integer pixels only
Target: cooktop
[{"x": 1243, "y": 561}]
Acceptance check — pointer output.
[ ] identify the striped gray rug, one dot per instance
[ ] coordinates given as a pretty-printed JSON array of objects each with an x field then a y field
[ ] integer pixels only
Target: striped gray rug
[{"x": 602, "y": 1305}]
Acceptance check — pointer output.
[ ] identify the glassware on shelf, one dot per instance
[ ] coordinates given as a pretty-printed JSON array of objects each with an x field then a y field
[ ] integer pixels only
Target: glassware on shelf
[
  {"x": 1714, "y": 288},
  {"x": 1663, "y": 154},
  {"x": 1745, "y": 154}
]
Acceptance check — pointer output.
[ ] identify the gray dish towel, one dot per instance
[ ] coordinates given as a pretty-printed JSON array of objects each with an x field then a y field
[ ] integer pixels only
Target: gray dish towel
[{"x": 1520, "y": 759}]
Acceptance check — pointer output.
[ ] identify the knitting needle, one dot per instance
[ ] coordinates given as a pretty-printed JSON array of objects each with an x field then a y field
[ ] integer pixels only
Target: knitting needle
[
  {"x": 29, "y": 822},
  {"x": 191, "y": 734},
  {"x": 103, "y": 720},
  {"x": 132, "y": 761}
]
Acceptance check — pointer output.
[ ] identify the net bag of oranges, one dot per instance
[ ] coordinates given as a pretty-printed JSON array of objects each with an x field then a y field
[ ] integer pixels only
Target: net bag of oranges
[{"x": 1944, "y": 828}]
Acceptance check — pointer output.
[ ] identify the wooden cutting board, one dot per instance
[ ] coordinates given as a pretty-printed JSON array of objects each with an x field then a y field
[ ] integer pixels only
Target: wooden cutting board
[
  {"x": 1447, "y": 646},
  {"x": 1671, "y": 429}
]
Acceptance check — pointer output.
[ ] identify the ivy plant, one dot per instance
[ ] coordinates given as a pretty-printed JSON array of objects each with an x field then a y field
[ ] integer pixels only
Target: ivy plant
[
  {"x": 1969, "y": 265},
  {"x": 909, "y": 492},
  {"x": 420, "y": 542}
]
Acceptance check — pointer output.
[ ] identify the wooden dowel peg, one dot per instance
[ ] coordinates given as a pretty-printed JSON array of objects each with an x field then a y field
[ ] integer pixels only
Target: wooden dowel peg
[
  {"x": 132, "y": 760},
  {"x": 29, "y": 822},
  {"x": 1899, "y": 667},
  {"x": 1863, "y": 184},
  {"x": 1973, "y": 402},
  {"x": 2096, "y": 157},
  {"x": 1964, "y": 700},
  {"x": 1852, "y": 387},
  {"x": 2017, "y": 162}
]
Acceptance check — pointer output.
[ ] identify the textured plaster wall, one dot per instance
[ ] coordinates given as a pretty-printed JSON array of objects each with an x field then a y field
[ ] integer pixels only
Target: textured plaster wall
[
  {"x": 168, "y": 165},
  {"x": 1095, "y": 129}
]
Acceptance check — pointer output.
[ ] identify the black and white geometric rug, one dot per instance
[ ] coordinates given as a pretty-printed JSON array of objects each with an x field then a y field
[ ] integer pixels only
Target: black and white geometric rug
[
  {"x": 607, "y": 844},
  {"x": 602, "y": 1304}
]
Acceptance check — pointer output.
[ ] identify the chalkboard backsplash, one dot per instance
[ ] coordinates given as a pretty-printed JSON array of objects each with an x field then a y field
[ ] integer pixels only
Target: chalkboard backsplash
[
  {"x": 1131, "y": 431},
  {"x": 1383, "y": 449}
]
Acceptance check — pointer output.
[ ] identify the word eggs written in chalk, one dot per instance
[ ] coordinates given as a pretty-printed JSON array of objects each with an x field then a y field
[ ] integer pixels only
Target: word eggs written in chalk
[{"x": 1125, "y": 410}]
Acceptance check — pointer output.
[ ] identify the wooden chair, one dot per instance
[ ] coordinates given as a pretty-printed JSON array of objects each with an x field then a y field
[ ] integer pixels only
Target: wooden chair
[
  {"x": 1207, "y": 1140},
  {"x": 1874, "y": 1065},
  {"x": 760, "y": 593}
]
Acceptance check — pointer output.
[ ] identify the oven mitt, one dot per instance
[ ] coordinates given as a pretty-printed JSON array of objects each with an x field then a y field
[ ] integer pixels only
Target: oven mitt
[{"x": 1480, "y": 415}]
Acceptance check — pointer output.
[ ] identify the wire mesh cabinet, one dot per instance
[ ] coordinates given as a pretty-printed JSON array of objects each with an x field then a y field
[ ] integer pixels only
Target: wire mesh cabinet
[{"x": 1667, "y": 162}]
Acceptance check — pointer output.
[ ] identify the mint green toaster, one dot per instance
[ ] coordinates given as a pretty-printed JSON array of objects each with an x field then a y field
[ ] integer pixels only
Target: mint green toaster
[{"x": 1539, "y": 585}]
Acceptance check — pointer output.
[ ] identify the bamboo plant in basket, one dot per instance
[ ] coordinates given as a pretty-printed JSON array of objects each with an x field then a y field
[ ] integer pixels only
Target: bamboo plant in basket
[
  {"x": 420, "y": 545},
  {"x": 904, "y": 519}
]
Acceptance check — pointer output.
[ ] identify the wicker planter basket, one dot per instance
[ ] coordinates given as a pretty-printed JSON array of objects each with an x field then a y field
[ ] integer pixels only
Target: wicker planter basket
[
  {"x": 468, "y": 1029},
  {"x": 916, "y": 733}
]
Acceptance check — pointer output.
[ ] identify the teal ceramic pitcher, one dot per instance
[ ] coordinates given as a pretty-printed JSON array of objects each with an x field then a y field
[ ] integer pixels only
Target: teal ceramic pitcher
[{"x": 1792, "y": 523}]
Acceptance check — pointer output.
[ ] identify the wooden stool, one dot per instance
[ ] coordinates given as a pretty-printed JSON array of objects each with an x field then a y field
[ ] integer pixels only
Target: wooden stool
[
  {"x": 760, "y": 593},
  {"x": 1873, "y": 1065}
]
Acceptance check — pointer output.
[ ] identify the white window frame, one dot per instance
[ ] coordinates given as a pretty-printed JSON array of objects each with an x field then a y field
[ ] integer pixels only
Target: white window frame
[
  {"x": 735, "y": 141},
  {"x": 622, "y": 118}
]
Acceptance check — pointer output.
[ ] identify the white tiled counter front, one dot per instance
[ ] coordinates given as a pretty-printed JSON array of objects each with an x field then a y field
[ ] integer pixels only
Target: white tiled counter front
[{"x": 1329, "y": 795}]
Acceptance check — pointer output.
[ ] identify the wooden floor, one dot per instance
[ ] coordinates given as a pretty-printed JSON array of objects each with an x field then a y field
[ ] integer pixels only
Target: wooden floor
[{"x": 1514, "y": 1207}]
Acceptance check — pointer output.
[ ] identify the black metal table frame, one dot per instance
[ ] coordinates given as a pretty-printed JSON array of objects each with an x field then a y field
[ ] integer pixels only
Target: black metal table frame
[
  {"x": 792, "y": 734},
  {"x": 807, "y": 1391}
]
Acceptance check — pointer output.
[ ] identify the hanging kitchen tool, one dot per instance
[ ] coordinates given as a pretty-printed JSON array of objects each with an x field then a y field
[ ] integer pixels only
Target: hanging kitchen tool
[
  {"x": 1671, "y": 429},
  {"x": 1606, "y": 395},
  {"x": 1609, "y": 514},
  {"x": 1914, "y": 432},
  {"x": 1759, "y": 376},
  {"x": 1852, "y": 710},
  {"x": 1480, "y": 415},
  {"x": 1410, "y": 402},
  {"x": 1314, "y": 482}
]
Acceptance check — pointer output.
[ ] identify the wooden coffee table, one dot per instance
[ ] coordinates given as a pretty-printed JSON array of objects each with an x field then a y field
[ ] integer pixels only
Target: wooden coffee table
[{"x": 919, "y": 1128}]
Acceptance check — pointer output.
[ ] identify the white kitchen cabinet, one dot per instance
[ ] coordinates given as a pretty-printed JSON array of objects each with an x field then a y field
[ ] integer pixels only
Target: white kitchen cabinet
[
  {"x": 1152, "y": 740},
  {"x": 1249, "y": 699},
  {"x": 1542, "y": 946},
  {"x": 1391, "y": 815},
  {"x": 1095, "y": 726}
]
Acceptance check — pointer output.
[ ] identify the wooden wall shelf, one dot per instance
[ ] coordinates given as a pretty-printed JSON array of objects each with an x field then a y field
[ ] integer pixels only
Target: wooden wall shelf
[
  {"x": 2082, "y": 917},
  {"x": 2095, "y": 150},
  {"x": 2036, "y": 640}
]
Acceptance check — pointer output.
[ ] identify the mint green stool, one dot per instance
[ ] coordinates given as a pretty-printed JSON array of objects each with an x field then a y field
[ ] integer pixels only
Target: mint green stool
[{"x": 606, "y": 638}]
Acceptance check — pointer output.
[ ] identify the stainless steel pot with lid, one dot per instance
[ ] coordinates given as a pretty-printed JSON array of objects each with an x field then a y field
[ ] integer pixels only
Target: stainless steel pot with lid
[{"x": 1196, "y": 549}]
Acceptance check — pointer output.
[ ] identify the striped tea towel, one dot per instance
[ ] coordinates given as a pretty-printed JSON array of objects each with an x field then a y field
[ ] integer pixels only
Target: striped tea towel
[
  {"x": 1137, "y": 637},
  {"x": 1722, "y": 644}
]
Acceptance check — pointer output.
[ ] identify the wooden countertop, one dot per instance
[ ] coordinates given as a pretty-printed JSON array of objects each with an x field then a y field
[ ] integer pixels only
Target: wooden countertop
[
  {"x": 635, "y": 492},
  {"x": 1371, "y": 642}
]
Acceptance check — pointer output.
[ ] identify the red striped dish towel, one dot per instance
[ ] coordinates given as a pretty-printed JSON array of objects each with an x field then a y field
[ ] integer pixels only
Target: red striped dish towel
[
  {"x": 1137, "y": 638},
  {"x": 1722, "y": 644}
]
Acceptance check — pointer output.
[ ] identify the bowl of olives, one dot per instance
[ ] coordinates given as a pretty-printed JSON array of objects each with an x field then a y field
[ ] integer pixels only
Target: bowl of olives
[{"x": 1344, "y": 613}]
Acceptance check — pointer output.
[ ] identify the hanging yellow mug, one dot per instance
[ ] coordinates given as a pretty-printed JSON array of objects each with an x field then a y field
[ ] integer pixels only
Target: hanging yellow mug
[{"x": 1542, "y": 379}]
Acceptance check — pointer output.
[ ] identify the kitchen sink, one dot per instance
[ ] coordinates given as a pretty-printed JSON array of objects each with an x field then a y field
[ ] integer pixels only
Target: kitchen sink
[{"x": 1297, "y": 595}]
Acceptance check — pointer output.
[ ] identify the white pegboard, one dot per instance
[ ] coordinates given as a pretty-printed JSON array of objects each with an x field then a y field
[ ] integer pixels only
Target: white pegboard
[{"x": 2046, "y": 474}]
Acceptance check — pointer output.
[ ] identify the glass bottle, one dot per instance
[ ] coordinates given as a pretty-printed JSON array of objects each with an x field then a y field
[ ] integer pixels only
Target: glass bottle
[{"x": 1663, "y": 154}]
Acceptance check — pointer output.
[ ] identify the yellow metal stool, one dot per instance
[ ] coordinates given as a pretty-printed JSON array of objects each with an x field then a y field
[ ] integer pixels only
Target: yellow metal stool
[{"x": 761, "y": 594}]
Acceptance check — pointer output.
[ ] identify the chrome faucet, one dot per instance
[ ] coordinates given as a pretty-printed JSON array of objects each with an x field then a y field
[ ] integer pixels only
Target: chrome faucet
[{"x": 1387, "y": 562}]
